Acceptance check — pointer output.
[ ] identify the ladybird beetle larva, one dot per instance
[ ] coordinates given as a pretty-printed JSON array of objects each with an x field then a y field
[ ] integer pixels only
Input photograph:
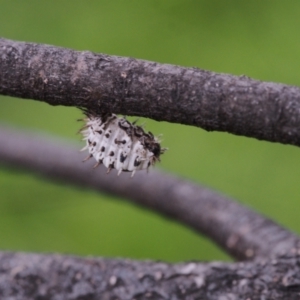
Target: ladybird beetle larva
[{"x": 118, "y": 144}]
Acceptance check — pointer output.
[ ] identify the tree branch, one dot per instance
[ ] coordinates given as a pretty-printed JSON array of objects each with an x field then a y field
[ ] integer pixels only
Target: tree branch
[
  {"x": 128, "y": 86},
  {"x": 55, "y": 277},
  {"x": 241, "y": 232}
]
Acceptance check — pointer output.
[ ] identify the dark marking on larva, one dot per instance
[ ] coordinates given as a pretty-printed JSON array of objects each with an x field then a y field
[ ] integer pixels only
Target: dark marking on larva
[
  {"x": 124, "y": 124},
  {"x": 102, "y": 149},
  {"x": 138, "y": 131},
  {"x": 107, "y": 135},
  {"x": 137, "y": 162},
  {"x": 151, "y": 135},
  {"x": 94, "y": 144},
  {"x": 99, "y": 131},
  {"x": 107, "y": 120},
  {"x": 89, "y": 141},
  {"x": 122, "y": 157},
  {"x": 118, "y": 142},
  {"x": 112, "y": 153}
]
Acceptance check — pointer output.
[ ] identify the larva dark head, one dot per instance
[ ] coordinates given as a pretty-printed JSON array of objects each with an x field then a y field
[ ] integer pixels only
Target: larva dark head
[
  {"x": 153, "y": 147},
  {"x": 156, "y": 150}
]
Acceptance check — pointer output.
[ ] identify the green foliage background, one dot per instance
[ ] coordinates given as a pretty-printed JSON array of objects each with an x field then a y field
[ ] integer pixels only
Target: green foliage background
[{"x": 259, "y": 39}]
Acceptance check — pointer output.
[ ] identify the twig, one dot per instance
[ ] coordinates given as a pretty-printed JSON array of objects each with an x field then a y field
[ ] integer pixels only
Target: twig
[
  {"x": 55, "y": 277},
  {"x": 239, "y": 105},
  {"x": 241, "y": 232}
]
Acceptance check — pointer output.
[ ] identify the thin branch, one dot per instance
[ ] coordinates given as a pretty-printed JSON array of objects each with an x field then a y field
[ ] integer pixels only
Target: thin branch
[
  {"x": 241, "y": 232},
  {"x": 55, "y": 277},
  {"x": 239, "y": 105}
]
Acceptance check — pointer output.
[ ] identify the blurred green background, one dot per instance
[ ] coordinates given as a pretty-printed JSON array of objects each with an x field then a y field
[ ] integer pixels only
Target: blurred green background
[{"x": 259, "y": 39}]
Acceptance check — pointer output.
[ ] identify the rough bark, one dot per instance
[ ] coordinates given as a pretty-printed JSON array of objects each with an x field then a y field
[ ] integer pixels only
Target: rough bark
[
  {"x": 238, "y": 230},
  {"x": 239, "y": 105},
  {"x": 55, "y": 277}
]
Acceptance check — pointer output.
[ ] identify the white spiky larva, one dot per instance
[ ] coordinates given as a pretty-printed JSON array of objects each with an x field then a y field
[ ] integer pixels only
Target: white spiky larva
[{"x": 116, "y": 143}]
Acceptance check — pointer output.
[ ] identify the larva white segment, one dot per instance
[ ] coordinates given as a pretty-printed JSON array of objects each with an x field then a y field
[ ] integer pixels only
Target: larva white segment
[{"x": 116, "y": 143}]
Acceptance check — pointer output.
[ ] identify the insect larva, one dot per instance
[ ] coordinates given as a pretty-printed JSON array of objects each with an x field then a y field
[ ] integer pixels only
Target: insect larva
[{"x": 118, "y": 144}]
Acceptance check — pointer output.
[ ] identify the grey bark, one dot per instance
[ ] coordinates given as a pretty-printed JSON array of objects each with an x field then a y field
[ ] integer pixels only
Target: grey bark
[
  {"x": 239, "y": 105},
  {"x": 55, "y": 277},
  {"x": 238, "y": 230}
]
